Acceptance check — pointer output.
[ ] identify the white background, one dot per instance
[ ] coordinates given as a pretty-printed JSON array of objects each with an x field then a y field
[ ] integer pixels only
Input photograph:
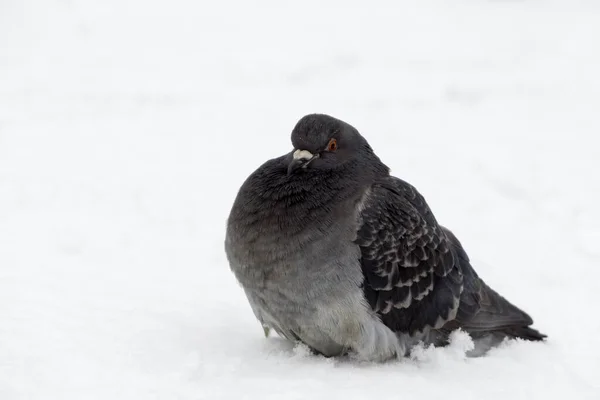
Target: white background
[{"x": 126, "y": 128}]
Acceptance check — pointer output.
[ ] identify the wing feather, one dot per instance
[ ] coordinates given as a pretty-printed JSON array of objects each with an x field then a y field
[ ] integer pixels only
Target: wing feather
[
  {"x": 412, "y": 279},
  {"x": 418, "y": 277}
]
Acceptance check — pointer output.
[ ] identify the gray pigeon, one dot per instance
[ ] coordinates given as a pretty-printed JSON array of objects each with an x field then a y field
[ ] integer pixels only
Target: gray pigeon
[{"x": 335, "y": 253}]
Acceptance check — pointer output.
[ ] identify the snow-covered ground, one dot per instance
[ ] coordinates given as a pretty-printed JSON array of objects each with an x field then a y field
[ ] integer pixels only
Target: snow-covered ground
[{"x": 126, "y": 128}]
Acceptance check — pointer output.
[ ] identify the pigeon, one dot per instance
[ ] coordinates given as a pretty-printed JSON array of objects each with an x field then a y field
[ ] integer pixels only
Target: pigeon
[{"x": 335, "y": 253}]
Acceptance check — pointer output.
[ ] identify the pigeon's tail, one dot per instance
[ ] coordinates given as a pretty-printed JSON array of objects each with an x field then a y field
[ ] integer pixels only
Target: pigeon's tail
[
  {"x": 483, "y": 311},
  {"x": 497, "y": 315},
  {"x": 524, "y": 332}
]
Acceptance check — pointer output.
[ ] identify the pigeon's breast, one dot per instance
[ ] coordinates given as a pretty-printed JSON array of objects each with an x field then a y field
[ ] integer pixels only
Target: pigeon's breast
[
  {"x": 278, "y": 233},
  {"x": 281, "y": 227},
  {"x": 275, "y": 231},
  {"x": 293, "y": 261}
]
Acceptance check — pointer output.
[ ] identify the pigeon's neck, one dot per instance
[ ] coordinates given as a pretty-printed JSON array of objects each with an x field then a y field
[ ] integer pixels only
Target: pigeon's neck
[{"x": 290, "y": 203}]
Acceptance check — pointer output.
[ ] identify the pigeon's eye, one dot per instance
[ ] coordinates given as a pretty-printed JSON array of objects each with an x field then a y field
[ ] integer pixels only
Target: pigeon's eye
[{"x": 332, "y": 146}]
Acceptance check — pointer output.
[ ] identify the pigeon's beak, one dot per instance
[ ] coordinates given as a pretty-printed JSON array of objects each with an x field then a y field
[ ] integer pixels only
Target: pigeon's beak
[{"x": 300, "y": 159}]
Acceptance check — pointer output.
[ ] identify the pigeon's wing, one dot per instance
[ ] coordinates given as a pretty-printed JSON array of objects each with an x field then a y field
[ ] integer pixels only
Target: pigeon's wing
[
  {"x": 412, "y": 277},
  {"x": 417, "y": 276}
]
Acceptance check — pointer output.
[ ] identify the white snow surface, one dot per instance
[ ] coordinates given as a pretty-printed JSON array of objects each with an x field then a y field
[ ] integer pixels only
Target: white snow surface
[{"x": 127, "y": 127}]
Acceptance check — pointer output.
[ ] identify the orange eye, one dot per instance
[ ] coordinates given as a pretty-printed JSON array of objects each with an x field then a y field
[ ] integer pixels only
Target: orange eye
[{"x": 332, "y": 146}]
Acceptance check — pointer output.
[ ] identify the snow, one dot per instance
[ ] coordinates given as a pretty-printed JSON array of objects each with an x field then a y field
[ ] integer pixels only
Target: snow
[{"x": 126, "y": 128}]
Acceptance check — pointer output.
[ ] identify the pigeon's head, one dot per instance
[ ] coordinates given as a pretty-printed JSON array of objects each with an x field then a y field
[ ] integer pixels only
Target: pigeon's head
[{"x": 322, "y": 143}]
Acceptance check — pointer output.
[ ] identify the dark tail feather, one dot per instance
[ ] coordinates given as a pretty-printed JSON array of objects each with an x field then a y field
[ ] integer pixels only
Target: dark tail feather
[
  {"x": 524, "y": 332},
  {"x": 497, "y": 315},
  {"x": 483, "y": 311}
]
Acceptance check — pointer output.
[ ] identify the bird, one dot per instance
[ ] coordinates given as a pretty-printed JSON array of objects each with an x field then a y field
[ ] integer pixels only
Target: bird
[{"x": 335, "y": 253}]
